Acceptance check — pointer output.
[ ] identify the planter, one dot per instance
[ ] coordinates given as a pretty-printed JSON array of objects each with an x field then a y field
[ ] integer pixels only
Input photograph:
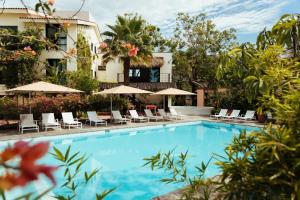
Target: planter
[{"x": 261, "y": 118}]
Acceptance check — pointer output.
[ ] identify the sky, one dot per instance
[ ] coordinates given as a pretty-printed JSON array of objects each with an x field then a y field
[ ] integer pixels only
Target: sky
[{"x": 248, "y": 17}]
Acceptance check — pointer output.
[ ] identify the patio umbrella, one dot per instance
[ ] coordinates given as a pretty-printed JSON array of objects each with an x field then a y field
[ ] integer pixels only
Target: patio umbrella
[
  {"x": 172, "y": 92},
  {"x": 43, "y": 87},
  {"x": 122, "y": 89}
]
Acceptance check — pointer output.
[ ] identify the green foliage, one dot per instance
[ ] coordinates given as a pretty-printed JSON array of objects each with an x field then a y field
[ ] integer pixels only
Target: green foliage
[
  {"x": 102, "y": 104},
  {"x": 18, "y": 64},
  {"x": 71, "y": 164},
  {"x": 69, "y": 103},
  {"x": 176, "y": 166},
  {"x": 82, "y": 80},
  {"x": 84, "y": 55},
  {"x": 263, "y": 164},
  {"x": 56, "y": 77},
  {"x": 287, "y": 32},
  {"x": 196, "y": 47},
  {"x": 8, "y": 108},
  {"x": 131, "y": 29}
]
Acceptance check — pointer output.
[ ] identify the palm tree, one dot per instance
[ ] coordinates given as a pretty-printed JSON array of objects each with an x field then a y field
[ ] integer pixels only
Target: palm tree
[
  {"x": 132, "y": 40},
  {"x": 287, "y": 32}
]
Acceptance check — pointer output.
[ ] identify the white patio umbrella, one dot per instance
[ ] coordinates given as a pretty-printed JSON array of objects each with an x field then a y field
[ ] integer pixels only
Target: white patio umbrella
[
  {"x": 43, "y": 87},
  {"x": 172, "y": 92},
  {"x": 122, "y": 89}
]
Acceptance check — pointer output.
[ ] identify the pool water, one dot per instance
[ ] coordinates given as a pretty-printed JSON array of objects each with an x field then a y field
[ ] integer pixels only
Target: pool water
[{"x": 119, "y": 156}]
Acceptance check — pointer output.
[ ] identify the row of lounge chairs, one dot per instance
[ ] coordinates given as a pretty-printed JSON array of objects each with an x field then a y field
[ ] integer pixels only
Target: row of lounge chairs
[
  {"x": 49, "y": 122},
  {"x": 235, "y": 114}
]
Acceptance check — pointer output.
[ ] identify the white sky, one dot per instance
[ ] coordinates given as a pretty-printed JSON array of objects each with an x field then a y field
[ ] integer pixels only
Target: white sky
[{"x": 247, "y": 16}]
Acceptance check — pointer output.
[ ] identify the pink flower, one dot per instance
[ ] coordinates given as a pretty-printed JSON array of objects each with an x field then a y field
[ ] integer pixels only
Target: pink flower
[
  {"x": 133, "y": 51},
  {"x": 28, "y": 48},
  {"x": 51, "y": 2},
  {"x": 28, "y": 169},
  {"x": 103, "y": 45}
]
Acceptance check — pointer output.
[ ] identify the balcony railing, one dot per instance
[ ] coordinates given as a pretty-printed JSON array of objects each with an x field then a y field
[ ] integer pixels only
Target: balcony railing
[{"x": 164, "y": 78}]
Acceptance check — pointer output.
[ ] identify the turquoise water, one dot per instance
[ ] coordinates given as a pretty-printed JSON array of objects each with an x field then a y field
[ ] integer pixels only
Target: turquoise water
[{"x": 119, "y": 155}]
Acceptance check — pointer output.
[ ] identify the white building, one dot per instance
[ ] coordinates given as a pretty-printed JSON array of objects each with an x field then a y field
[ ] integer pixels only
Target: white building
[
  {"x": 159, "y": 75},
  {"x": 18, "y": 18}
]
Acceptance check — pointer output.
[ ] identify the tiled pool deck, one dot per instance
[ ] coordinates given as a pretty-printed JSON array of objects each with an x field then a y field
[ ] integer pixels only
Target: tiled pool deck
[{"x": 15, "y": 135}]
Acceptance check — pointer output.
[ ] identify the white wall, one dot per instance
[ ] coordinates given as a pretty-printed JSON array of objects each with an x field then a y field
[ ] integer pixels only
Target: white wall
[
  {"x": 92, "y": 37},
  {"x": 114, "y": 67},
  {"x": 166, "y": 68},
  {"x": 13, "y": 19},
  {"x": 193, "y": 110}
]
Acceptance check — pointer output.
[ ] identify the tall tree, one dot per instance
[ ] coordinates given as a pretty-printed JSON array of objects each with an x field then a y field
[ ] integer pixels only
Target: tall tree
[
  {"x": 197, "y": 46},
  {"x": 84, "y": 55},
  {"x": 131, "y": 39},
  {"x": 19, "y": 53},
  {"x": 287, "y": 32}
]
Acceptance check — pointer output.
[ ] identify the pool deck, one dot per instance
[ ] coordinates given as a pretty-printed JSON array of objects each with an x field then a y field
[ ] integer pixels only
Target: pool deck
[{"x": 12, "y": 134}]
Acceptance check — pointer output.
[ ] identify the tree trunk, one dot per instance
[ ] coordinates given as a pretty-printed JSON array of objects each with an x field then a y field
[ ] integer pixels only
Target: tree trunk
[{"x": 126, "y": 66}]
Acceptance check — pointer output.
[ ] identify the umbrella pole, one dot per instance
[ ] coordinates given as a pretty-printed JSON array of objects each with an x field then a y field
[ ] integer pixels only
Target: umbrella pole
[
  {"x": 111, "y": 104},
  {"x": 29, "y": 102},
  {"x": 164, "y": 100}
]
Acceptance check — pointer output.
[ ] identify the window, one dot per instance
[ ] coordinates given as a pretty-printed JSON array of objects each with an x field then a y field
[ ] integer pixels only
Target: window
[
  {"x": 56, "y": 35},
  {"x": 56, "y": 65},
  {"x": 1, "y": 77},
  {"x": 11, "y": 28},
  {"x": 134, "y": 73},
  {"x": 143, "y": 74},
  {"x": 101, "y": 67},
  {"x": 95, "y": 49},
  {"x": 92, "y": 47},
  {"x": 154, "y": 75}
]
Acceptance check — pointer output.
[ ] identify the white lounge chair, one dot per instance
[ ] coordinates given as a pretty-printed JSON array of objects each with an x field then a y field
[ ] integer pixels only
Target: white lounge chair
[
  {"x": 165, "y": 115},
  {"x": 248, "y": 116},
  {"x": 135, "y": 116},
  {"x": 48, "y": 121},
  {"x": 233, "y": 115},
  {"x": 27, "y": 123},
  {"x": 150, "y": 115},
  {"x": 174, "y": 113},
  {"x": 68, "y": 120},
  {"x": 93, "y": 118},
  {"x": 221, "y": 114},
  {"x": 117, "y": 117}
]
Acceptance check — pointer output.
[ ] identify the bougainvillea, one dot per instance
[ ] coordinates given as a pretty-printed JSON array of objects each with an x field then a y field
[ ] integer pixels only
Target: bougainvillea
[{"x": 19, "y": 163}]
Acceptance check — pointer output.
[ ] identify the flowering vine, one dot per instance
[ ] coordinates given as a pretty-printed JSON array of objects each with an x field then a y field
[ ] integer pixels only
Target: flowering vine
[{"x": 20, "y": 167}]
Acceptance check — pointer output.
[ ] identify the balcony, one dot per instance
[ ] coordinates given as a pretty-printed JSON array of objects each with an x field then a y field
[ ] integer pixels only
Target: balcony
[
  {"x": 142, "y": 85},
  {"x": 163, "y": 78}
]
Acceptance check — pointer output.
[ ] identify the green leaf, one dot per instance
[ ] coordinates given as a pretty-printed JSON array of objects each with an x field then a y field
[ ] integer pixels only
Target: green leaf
[
  {"x": 105, "y": 193},
  {"x": 43, "y": 194},
  {"x": 58, "y": 154},
  {"x": 67, "y": 153}
]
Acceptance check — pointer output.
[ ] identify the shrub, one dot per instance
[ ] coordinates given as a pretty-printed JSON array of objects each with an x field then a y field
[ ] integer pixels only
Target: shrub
[
  {"x": 69, "y": 103},
  {"x": 82, "y": 80},
  {"x": 9, "y": 108},
  {"x": 101, "y": 103}
]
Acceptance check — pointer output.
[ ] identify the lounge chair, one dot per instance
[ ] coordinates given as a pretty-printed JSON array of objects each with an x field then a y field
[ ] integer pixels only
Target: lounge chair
[
  {"x": 175, "y": 114},
  {"x": 248, "y": 116},
  {"x": 221, "y": 114},
  {"x": 117, "y": 117},
  {"x": 233, "y": 115},
  {"x": 135, "y": 116},
  {"x": 165, "y": 115},
  {"x": 27, "y": 123},
  {"x": 93, "y": 118},
  {"x": 150, "y": 115},
  {"x": 68, "y": 120},
  {"x": 48, "y": 121}
]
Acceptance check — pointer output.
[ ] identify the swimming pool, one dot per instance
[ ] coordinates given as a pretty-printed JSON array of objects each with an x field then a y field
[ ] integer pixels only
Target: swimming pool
[{"x": 119, "y": 154}]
